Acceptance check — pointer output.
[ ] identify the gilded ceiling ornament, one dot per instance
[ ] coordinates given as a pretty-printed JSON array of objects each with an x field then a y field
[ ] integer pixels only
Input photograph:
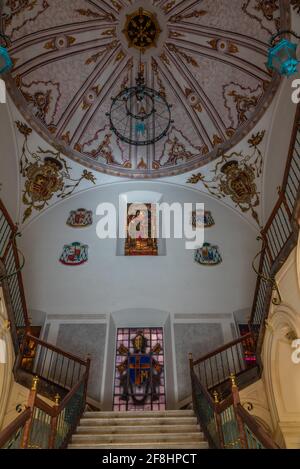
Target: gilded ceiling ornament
[
  {"x": 189, "y": 59},
  {"x": 296, "y": 5},
  {"x": 221, "y": 45},
  {"x": 175, "y": 34},
  {"x": 142, "y": 29},
  {"x": 193, "y": 99},
  {"x": 162, "y": 89},
  {"x": 265, "y": 12},
  {"x": 192, "y": 14},
  {"x": 93, "y": 14},
  {"x": 168, "y": 7},
  {"x": 117, "y": 5},
  {"x": 60, "y": 42},
  {"x": 235, "y": 177},
  {"x": 22, "y": 12},
  {"x": 109, "y": 32},
  {"x": 110, "y": 46},
  {"x": 42, "y": 97},
  {"x": 46, "y": 175}
]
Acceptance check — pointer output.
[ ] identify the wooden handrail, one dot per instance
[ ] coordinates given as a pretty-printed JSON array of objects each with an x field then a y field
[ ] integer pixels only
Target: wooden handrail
[
  {"x": 56, "y": 349},
  {"x": 11, "y": 429},
  {"x": 256, "y": 429},
  {"x": 70, "y": 394},
  {"x": 42, "y": 405},
  {"x": 223, "y": 348}
]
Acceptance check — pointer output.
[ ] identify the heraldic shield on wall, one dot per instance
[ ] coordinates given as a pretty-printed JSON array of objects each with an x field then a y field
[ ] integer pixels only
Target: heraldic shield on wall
[
  {"x": 139, "y": 373},
  {"x": 74, "y": 254},
  {"x": 202, "y": 218},
  {"x": 208, "y": 255},
  {"x": 80, "y": 218}
]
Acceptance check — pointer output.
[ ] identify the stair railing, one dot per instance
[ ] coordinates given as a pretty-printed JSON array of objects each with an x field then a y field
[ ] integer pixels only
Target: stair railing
[
  {"x": 225, "y": 423},
  {"x": 11, "y": 278},
  {"x": 58, "y": 371},
  {"x": 279, "y": 235},
  {"x": 211, "y": 373},
  {"x": 213, "y": 370},
  {"x": 42, "y": 426},
  {"x": 11, "y": 437}
]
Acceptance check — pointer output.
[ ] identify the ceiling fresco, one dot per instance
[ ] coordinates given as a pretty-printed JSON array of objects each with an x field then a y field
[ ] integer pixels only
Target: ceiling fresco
[{"x": 206, "y": 58}]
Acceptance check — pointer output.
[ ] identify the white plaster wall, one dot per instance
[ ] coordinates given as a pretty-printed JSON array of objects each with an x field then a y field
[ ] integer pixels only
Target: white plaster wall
[{"x": 107, "y": 283}]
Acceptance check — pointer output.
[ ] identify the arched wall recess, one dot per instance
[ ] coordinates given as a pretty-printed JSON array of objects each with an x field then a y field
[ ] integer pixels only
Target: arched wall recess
[
  {"x": 281, "y": 375},
  {"x": 5, "y": 368}
]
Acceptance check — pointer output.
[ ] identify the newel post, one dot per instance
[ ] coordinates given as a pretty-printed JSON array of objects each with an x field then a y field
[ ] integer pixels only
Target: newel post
[
  {"x": 236, "y": 401},
  {"x": 53, "y": 424},
  {"x": 88, "y": 366},
  {"x": 191, "y": 362},
  {"x": 31, "y": 403}
]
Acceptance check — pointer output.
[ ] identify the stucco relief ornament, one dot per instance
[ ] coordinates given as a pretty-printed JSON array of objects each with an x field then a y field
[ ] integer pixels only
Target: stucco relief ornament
[
  {"x": 46, "y": 175},
  {"x": 235, "y": 177},
  {"x": 296, "y": 5}
]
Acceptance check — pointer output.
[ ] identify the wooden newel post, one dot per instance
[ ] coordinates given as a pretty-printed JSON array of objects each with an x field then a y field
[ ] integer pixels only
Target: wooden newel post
[
  {"x": 191, "y": 362},
  {"x": 53, "y": 425},
  {"x": 236, "y": 401},
  {"x": 28, "y": 424},
  {"x": 88, "y": 366},
  {"x": 218, "y": 419}
]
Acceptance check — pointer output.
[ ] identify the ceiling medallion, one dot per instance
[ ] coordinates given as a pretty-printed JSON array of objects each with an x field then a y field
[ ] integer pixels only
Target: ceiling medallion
[{"x": 142, "y": 29}]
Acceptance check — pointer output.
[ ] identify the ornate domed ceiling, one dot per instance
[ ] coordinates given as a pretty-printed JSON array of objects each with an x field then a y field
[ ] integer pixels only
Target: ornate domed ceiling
[{"x": 206, "y": 58}]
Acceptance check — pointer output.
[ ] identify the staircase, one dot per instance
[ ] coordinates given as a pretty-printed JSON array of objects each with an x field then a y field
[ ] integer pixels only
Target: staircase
[{"x": 138, "y": 430}]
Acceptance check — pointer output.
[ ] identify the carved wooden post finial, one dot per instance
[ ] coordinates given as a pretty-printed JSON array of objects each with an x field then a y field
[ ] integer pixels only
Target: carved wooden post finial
[
  {"x": 216, "y": 397},
  {"x": 34, "y": 383},
  {"x": 233, "y": 380},
  {"x": 57, "y": 399}
]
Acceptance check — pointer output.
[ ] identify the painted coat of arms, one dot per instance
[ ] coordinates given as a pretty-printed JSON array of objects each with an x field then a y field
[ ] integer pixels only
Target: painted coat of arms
[
  {"x": 202, "y": 218},
  {"x": 46, "y": 175},
  {"x": 140, "y": 372},
  {"x": 208, "y": 255},
  {"x": 74, "y": 254},
  {"x": 80, "y": 218}
]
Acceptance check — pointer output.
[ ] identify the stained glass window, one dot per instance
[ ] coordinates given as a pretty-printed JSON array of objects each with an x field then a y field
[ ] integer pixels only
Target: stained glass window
[{"x": 139, "y": 370}]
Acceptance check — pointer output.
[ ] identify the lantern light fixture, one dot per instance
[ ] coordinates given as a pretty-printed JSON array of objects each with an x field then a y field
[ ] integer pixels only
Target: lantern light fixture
[
  {"x": 5, "y": 60},
  {"x": 282, "y": 56}
]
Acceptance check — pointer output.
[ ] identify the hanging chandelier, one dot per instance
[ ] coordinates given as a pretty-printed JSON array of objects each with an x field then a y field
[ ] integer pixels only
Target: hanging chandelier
[{"x": 140, "y": 115}]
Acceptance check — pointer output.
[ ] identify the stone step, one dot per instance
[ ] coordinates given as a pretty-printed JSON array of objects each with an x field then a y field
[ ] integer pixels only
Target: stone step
[
  {"x": 138, "y": 438},
  {"x": 138, "y": 421},
  {"x": 166, "y": 445},
  {"x": 120, "y": 429},
  {"x": 137, "y": 414}
]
